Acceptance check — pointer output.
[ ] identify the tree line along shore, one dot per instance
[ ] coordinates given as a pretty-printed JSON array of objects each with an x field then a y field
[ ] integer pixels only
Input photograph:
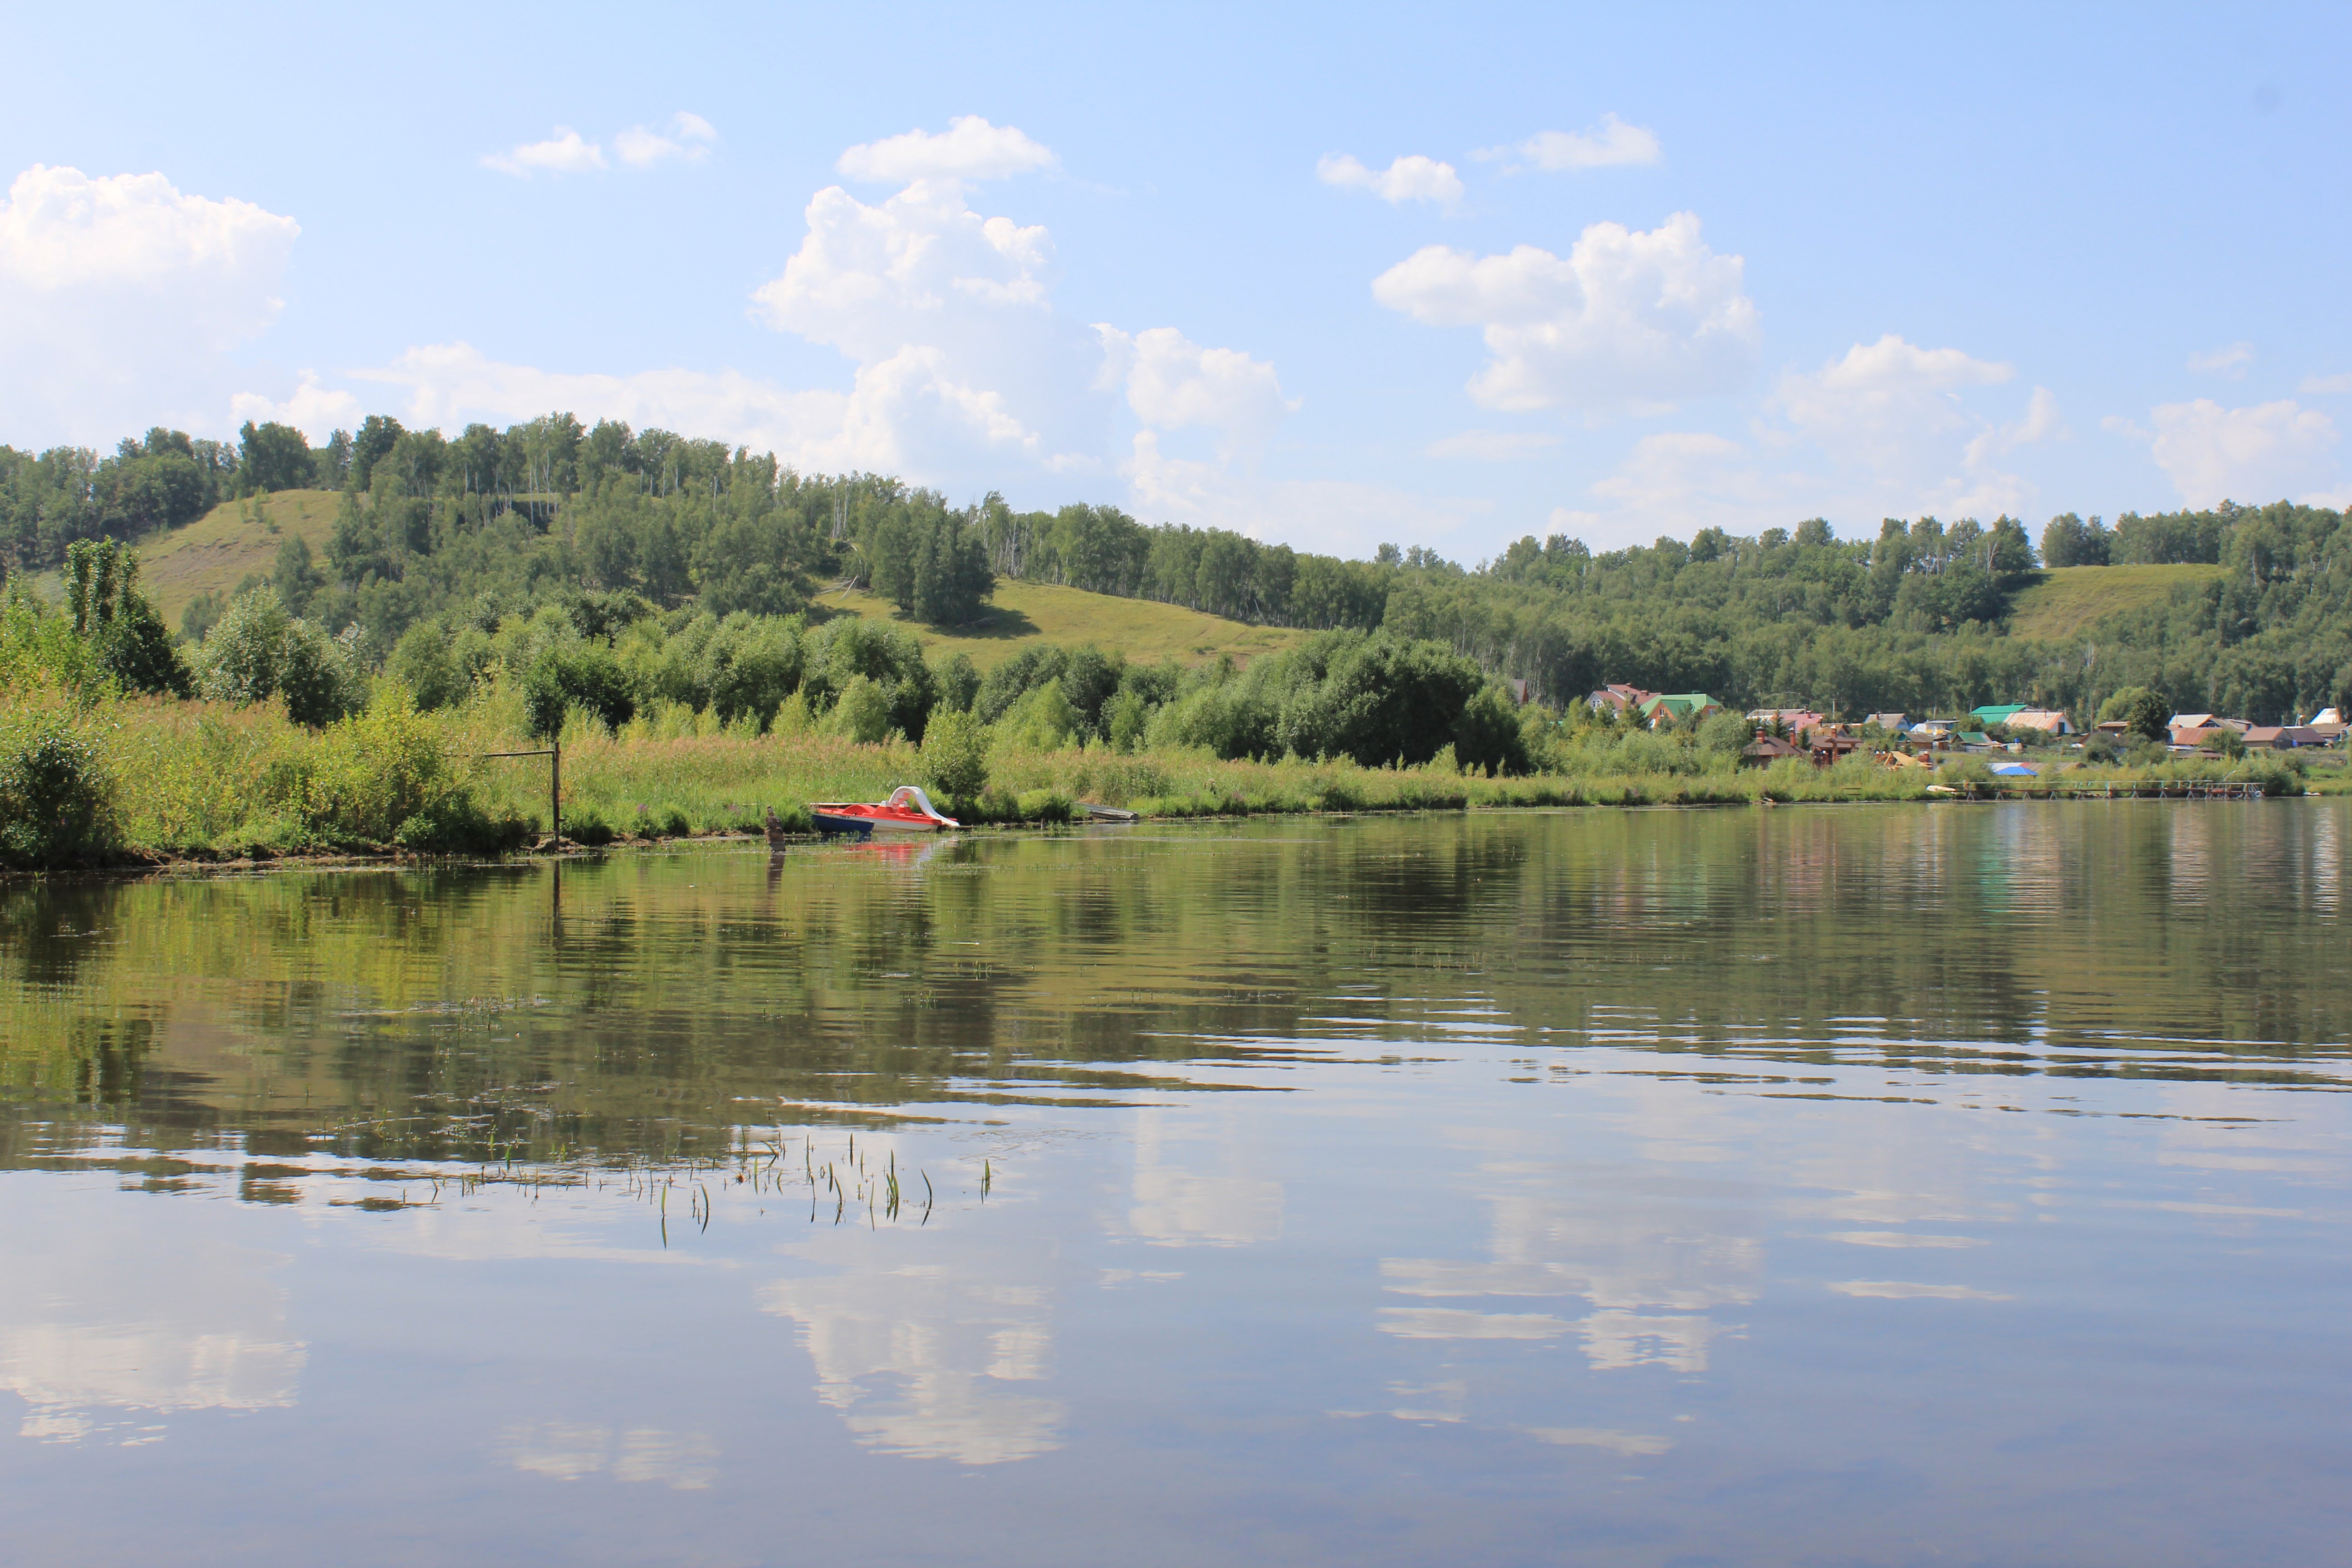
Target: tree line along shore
[{"x": 656, "y": 604}]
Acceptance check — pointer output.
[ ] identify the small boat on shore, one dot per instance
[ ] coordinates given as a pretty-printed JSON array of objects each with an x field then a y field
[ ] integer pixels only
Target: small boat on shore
[{"x": 909, "y": 810}]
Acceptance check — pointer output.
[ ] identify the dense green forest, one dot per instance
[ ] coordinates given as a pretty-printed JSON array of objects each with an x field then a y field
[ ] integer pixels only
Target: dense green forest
[{"x": 631, "y": 539}]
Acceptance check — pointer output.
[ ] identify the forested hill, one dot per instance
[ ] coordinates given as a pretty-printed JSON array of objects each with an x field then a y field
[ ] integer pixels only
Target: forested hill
[{"x": 430, "y": 529}]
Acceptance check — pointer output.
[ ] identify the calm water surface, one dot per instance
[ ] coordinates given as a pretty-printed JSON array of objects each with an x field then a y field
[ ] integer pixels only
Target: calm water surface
[{"x": 1861, "y": 1185}]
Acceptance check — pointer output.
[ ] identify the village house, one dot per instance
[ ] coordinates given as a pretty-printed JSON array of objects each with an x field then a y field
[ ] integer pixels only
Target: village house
[
  {"x": 1932, "y": 732},
  {"x": 1893, "y": 723},
  {"x": 2193, "y": 730},
  {"x": 2283, "y": 737},
  {"x": 1831, "y": 745},
  {"x": 1678, "y": 708},
  {"x": 1618, "y": 700},
  {"x": 1996, "y": 713},
  {"x": 1792, "y": 721},
  {"x": 2048, "y": 719},
  {"x": 1765, "y": 749}
]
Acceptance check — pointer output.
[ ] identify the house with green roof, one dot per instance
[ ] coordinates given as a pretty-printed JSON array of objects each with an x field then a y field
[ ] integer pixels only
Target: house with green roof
[
  {"x": 1998, "y": 714},
  {"x": 1679, "y": 708}
]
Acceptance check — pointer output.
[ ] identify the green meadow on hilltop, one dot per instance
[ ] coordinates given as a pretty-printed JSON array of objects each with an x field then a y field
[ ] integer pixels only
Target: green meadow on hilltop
[
  {"x": 2066, "y": 603},
  {"x": 1022, "y": 614},
  {"x": 236, "y": 543}
]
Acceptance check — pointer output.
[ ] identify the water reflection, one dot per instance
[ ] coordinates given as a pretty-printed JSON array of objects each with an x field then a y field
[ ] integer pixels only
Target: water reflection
[
  {"x": 1194, "y": 1184},
  {"x": 113, "y": 1316},
  {"x": 926, "y": 1365},
  {"x": 1710, "y": 1187},
  {"x": 567, "y": 1451},
  {"x": 1589, "y": 1238},
  {"x": 2323, "y": 862},
  {"x": 936, "y": 1348}
]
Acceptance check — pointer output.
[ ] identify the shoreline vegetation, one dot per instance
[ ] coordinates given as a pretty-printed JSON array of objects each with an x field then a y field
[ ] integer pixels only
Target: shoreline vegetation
[
  {"x": 658, "y": 605},
  {"x": 161, "y": 781}
]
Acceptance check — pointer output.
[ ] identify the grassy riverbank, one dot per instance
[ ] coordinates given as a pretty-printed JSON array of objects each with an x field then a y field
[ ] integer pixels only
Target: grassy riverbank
[{"x": 154, "y": 779}]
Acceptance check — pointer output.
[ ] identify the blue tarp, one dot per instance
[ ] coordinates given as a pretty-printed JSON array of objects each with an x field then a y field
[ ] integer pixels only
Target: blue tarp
[{"x": 2013, "y": 771}]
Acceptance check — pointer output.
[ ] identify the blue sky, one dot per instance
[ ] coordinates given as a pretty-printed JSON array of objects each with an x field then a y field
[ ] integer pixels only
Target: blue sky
[{"x": 1638, "y": 271}]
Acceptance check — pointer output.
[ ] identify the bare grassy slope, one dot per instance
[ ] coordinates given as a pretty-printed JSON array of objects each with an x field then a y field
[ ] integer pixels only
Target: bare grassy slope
[
  {"x": 216, "y": 551},
  {"x": 2070, "y": 600},
  {"x": 1144, "y": 631}
]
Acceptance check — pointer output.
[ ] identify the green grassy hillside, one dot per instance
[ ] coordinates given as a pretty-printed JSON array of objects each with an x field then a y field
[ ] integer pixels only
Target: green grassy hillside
[
  {"x": 217, "y": 550},
  {"x": 2070, "y": 600},
  {"x": 1146, "y": 632}
]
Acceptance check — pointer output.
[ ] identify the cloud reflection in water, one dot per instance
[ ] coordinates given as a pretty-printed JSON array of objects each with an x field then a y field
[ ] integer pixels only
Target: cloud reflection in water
[{"x": 920, "y": 1363}]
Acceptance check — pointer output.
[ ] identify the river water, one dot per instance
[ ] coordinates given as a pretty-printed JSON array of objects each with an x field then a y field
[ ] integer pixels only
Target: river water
[{"x": 1966, "y": 1184}]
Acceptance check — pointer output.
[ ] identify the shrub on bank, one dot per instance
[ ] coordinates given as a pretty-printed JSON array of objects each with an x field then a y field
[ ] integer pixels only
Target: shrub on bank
[
  {"x": 258, "y": 651},
  {"x": 1488, "y": 735},
  {"x": 955, "y": 757},
  {"x": 586, "y": 825},
  {"x": 59, "y": 802},
  {"x": 863, "y": 712},
  {"x": 369, "y": 775}
]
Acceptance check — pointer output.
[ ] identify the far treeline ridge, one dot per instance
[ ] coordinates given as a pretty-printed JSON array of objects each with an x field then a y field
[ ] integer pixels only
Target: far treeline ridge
[{"x": 433, "y": 536}]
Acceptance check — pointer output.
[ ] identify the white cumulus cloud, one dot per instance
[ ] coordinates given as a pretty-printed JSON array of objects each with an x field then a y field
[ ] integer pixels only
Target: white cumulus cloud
[
  {"x": 1173, "y": 382},
  {"x": 1880, "y": 402},
  {"x": 313, "y": 408},
  {"x": 2326, "y": 385},
  {"x": 2231, "y": 360},
  {"x": 1628, "y": 320},
  {"x": 2263, "y": 453},
  {"x": 1895, "y": 422},
  {"x": 64, "y": 233},
  {"x": 1408, "y": 179},
  {"x": 922, "y": 264},
  {"x": 1613, "y": 141},
  {"x": 1679, "y": 482},
  {"x": 1887, "y": 429},
  {"x": 970, "y": 149},
  {"x": 565, "y": 152},
  {"x": 687, "y": 139},
  {"x": 121, "y": 293},
  {"x": 962, "y": 373},
  {"x": 947, "y": 314},
  {"x": 2041, "y": 422}
]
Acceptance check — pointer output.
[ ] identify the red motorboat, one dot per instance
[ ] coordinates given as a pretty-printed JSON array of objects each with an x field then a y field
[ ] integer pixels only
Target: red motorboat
[{"x": 909, "y": 810}]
